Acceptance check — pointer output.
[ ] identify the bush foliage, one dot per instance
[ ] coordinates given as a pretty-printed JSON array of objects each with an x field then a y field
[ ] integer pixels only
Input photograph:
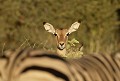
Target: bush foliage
[{"x": 21, "y": 23}]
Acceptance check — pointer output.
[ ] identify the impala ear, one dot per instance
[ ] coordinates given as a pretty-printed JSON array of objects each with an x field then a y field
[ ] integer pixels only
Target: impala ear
[
  {"x": 74, "y": 27},
  {"x": 49, "y": 27}
]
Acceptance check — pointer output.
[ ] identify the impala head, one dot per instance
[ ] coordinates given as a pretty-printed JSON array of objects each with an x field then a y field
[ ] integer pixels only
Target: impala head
[{"x": 61, "y": 34}]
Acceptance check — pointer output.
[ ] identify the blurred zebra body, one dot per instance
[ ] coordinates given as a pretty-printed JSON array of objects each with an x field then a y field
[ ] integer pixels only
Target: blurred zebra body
[
  {"x": 98, "y": 67},
  {"x": 35, "y": 65}
]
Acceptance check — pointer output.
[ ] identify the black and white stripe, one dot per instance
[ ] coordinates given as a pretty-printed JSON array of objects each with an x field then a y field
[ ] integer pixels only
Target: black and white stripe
[
  {"x": 36, "y": 65},
  {"x": 98, "y": 67}
]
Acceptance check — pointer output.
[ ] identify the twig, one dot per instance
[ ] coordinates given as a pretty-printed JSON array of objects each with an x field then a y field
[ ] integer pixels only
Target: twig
[
  {"x": 34, "y": 45},
  {"x": 23, "y": 43},
  {"x": 3, "y": 48},
  {"x": 28, "y": 42}
]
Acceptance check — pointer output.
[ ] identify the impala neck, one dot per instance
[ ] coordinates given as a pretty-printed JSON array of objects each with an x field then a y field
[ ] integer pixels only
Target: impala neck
[{"x": 62, "y": 52}]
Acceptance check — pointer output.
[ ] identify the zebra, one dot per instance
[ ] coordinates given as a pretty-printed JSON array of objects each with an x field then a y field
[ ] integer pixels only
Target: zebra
[{"x": 37, "y": 65}]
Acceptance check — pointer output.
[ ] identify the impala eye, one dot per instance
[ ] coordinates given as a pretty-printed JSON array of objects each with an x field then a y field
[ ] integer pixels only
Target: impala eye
[
  {"x": 55, "y": 34},
  {"x": 67, "y": 34}
]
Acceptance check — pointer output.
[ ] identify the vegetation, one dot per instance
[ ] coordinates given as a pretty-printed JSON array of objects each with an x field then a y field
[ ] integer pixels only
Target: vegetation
[{"x": 21, "y": 23}]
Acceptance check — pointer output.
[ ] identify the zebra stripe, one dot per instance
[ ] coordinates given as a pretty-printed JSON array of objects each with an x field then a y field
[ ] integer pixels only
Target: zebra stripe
[
  {"x": 98, "y": 67},
  {"x": 24, "y": 64},
  {"x": 36, "y": 65}
]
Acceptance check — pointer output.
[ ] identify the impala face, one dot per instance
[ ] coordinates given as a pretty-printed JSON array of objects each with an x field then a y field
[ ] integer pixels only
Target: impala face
[
  {"x": 61, "y": 38},
  {"x": 61, "y": 34}
]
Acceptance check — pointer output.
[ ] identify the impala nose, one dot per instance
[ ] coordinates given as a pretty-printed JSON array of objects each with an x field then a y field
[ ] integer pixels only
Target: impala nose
[{"x": 61, "y": 44}]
